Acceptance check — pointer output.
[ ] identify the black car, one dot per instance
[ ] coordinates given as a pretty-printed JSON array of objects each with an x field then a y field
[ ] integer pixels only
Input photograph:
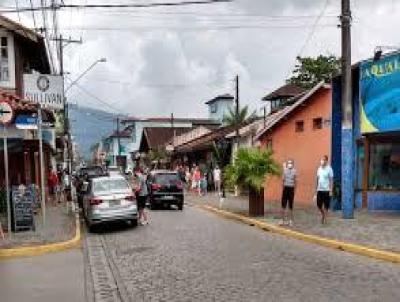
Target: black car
[
  {"x": 165, "y": 188},
  {"x": 84, "y": 175}
]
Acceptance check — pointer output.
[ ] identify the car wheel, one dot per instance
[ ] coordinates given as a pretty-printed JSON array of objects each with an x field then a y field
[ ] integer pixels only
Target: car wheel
[
  {"x": 134, "y": 222},
  {"x": 180, "y": 206},
  {"x": 153, "y": 206}
]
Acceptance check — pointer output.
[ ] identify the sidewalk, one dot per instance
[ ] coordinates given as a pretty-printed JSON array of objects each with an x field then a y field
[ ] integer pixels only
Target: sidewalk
[
  {"x": 47, "y": 278},
  {"x": 60, "y": 226},
  {"x": 378, "y": 230}
]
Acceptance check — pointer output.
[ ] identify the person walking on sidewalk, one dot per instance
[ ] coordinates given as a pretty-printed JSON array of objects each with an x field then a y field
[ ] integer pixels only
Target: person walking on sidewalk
[
  {"x": 289, "y": 186},
  {"x": 324, "y": 188},
  {"x": 217, "y": 180},
  {"x": 142, "y": 193}
]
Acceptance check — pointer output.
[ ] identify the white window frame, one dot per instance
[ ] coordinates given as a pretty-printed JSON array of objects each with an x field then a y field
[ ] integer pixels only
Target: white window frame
[{"x": 11, "y": 61}]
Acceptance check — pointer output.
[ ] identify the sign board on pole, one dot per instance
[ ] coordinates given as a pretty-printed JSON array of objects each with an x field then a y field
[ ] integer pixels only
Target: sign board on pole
[
  {"x": 46, "y": 90},
  {"x": 26, "y": 122},
  {"x": 6, "y": 113}
]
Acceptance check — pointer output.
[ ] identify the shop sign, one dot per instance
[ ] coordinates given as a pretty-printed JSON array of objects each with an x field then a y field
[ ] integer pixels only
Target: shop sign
[
  {"x": 46, "y": 90},
  {"x": 380, "y": 94},
  {"x": 26, "y": 122}
]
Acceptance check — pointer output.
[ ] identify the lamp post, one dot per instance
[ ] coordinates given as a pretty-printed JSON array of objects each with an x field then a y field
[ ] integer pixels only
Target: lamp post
[
  {"x": 66, "y": 115},
  {"x": 102, "y": 60}
]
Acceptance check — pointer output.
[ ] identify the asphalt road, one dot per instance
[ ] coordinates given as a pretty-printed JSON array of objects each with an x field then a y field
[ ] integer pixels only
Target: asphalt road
[{"x": 196, "y": 256}]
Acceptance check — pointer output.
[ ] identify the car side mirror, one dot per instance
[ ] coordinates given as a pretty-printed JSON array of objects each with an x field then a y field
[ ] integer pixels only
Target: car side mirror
[{"x": 85, "y": 186}]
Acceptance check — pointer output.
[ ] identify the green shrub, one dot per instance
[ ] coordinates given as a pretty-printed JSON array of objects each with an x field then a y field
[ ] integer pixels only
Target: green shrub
[{"x": 250, "y": 168}]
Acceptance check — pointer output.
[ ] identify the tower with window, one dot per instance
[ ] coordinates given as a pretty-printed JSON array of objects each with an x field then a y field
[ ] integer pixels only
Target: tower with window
[{"x": 220, "y": 106}]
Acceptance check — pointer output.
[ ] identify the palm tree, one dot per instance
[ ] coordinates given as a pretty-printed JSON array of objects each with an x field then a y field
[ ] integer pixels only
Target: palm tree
[
  {"x": 232, "y": 119},
  {"x": 249, "y": 170}
]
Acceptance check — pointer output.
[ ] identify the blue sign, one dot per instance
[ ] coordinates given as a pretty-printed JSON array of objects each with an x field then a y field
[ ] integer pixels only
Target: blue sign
[
  {"x": 380, "y": 94},
  {"x": 26, "y": 122}
]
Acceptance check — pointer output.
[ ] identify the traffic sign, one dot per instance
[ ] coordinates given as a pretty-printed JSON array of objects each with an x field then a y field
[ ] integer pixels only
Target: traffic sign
[{"x": 6, "y": 113}]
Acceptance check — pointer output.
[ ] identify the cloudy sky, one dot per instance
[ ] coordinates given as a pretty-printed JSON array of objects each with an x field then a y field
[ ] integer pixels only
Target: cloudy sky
[{"x": 164, "y": 60}]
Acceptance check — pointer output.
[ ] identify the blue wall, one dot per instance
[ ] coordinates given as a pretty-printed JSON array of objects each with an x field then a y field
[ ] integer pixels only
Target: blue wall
[{"x": 377, "y": 201}]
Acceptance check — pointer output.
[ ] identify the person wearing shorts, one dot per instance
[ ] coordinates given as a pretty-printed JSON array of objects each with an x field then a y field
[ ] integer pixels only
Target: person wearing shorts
[
  {"x": 289, "y": 184},
  {"x": 324, "y": 188},
  {"x": 142, "y": 193}
]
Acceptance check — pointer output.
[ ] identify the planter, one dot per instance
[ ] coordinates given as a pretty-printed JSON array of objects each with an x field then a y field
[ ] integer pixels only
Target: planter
[{"x": 256, "y": 203}]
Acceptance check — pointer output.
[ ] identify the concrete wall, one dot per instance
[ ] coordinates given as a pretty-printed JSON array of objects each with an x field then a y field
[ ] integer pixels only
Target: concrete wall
[{"x": 305, "y": 148}]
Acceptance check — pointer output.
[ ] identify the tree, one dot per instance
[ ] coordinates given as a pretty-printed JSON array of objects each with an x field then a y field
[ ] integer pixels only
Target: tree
[
  {"x": 232, "y": 119},
  {"x": 308, "y": 71}
]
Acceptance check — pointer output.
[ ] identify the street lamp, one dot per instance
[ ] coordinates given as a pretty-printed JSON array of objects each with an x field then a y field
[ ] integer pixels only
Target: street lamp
[{"x": 101, "y": 60}]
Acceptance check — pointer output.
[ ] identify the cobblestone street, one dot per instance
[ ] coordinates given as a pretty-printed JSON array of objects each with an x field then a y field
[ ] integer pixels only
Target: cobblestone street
[{"x": 196, "y": 256}]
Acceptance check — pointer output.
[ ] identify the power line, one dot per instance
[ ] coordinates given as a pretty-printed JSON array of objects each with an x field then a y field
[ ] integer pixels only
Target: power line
[
  {"x": 95, "y": 97},
  {"x": 33, "y": 15},
  {"x": 17, "y": 8},
  {"x": 195, "y": 28},
  {"x": 108, "y": 6}
]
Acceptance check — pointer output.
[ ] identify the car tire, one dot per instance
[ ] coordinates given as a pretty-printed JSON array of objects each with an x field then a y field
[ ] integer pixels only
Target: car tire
[
  {"x": 134, "y": 222},
  {"x": 180, "y": 207}
]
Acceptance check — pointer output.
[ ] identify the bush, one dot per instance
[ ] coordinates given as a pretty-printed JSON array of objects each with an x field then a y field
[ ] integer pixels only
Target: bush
[{"x": 250, "y": 168}]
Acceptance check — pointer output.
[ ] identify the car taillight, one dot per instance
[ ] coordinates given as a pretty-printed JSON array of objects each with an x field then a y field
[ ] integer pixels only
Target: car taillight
[
  {"x": 156, "y": 187},
  {"x": 130, "y": 198},
  {"x": 95, "y": 201}
]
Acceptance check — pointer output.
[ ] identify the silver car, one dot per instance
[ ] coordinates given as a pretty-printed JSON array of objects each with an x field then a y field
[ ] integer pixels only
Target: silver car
[{"x": 109, "y": 198}]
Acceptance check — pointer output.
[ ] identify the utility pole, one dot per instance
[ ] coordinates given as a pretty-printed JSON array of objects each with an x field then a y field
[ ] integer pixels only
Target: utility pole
[
  {"x": 173, "y": 128},
  {"x": 237, "y": 109},
  {"x": 67, "y": 132},
  {"x": 118, "y": 138},
  {"x": 347, "y": 115}
]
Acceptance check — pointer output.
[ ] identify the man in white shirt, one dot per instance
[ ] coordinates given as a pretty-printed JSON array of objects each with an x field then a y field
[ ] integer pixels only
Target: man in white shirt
[
  {"x": 217, "y": 179},
  {"x": 324, "y": 188}
]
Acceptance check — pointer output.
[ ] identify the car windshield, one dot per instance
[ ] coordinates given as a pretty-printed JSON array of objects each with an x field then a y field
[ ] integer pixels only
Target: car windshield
[
  {"x": 166, "y": 179},
  {"x": 110, "y": 185},
  {"x": 94, "y": 171}
]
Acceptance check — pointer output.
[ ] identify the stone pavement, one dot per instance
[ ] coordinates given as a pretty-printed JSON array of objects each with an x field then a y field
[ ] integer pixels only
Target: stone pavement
[
  {"x": 378, "y": 230},
  {"x": 60, "y": 226},
  {"x": 46, "y": 278},
  {"x": 193, "y": 255}
]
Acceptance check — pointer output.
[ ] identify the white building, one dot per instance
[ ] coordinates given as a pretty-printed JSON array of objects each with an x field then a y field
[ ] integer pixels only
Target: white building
[{"x": 220, "y": 106}]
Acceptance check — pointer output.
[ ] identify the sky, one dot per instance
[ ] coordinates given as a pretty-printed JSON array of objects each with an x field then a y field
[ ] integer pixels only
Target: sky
[{"x": 172, "y": 60}]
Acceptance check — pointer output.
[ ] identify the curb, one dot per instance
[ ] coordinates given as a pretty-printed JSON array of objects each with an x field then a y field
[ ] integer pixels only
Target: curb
[
  {"x": 46, "y": 248},
  {"x": 331, "y": 243}
]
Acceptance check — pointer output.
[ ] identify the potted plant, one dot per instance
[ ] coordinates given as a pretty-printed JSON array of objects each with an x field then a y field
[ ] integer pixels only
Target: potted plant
[{"x": 249, "y": 170}]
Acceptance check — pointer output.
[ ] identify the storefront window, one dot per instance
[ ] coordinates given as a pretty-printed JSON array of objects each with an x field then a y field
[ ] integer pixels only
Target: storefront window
[{"x": 384, "y": 172}]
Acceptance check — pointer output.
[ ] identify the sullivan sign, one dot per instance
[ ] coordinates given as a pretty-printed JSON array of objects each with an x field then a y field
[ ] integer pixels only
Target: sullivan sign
[{"x": 46, "y": 90}]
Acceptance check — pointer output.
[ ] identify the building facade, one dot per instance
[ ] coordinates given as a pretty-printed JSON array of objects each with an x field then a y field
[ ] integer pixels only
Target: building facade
[
  {"x": 375, "y": 142},
  {"x": 302, "y": 132}
]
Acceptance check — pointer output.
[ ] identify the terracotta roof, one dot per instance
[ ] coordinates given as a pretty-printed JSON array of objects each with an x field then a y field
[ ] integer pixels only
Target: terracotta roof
[
  {"x": 280, "y": 115},
  {"x": 226, "y": 96},
  {"x": 121, "y": 134},
  {"x": 157, "y": 137},
  {"x": 285, "y": 91},
  {"x": 205, "y": 141},
  {"x": 21, "y": 106},
  {"x": 194, "y": 121}
]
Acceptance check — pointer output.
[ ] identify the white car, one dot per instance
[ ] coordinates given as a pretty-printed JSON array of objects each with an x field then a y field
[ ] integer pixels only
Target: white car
[{"x": 109, "y": 198}]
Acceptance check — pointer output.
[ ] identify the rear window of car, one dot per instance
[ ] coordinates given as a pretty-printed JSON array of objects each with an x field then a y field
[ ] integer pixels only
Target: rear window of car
[
  {"x": 166, "y": 179},
  {"x": 95, "y": 171},
  {"x": 110, "y": 185}
]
